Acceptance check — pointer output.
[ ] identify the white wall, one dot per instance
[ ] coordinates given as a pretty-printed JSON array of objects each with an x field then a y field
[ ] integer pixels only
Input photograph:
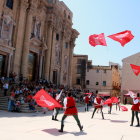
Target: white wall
[{"x": 94, "y": 77}]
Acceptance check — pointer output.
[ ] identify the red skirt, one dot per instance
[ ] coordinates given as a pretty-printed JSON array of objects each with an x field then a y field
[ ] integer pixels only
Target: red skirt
[
  {"x": 135, "y": 107},
  {"x": 109, "y": 104},
  {"x": 97, "y": 106},
  {"x": 71, "y": 111},
  {"x": 86, "y": 102}
]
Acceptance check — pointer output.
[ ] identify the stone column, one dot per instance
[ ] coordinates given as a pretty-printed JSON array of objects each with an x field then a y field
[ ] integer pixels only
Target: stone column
[
  {"x": 52, "y": 56},
  {"x": 48, "y": 52},
  {"x": 6, "y": 65},
  {"x": 9, "y": 62},
  {"x": 40, "y": 66},
  {"x": 62, "y": 58},
  {"x": 70, "y": 65},
  {"x": 25, "y": 56},
  {"x": 19, "y": 39},
  {"x": 37, "y": 67},
  {"x": 1, "y": 6}
]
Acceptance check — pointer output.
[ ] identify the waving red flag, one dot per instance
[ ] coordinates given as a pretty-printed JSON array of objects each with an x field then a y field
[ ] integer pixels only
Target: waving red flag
[
  {"x": 108, "y": 101},
  {"x": 114, "y": 99},
  {"x": 111, "y": 100},
  {"x": 45, "y": 100},
  {"x": 122, "y": 37},
  {"x": 97, "y": 39},
  {"x": 136, "y": 69},
  {"x": 123, "y": 108}
]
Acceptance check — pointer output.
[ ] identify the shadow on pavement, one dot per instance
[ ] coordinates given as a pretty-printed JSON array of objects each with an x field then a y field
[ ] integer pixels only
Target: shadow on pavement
[
  {"x": 79, "y": 133},
  {"x": 118, "y": 121},
  {"x": 55, "y": 132}
]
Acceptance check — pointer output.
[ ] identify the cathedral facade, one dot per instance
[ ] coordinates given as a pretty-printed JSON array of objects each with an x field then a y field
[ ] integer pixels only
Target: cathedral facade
[{"x": 37, "y": 40}]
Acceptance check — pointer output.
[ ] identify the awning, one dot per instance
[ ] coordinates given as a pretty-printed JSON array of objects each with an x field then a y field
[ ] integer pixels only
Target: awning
[
  {"x": 128, "y": 95},
  {"x": 104, "y": 95}
]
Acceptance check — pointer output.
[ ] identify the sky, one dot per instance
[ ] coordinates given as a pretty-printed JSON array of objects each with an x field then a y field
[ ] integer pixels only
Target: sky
[{"x": 108, "y": 17}]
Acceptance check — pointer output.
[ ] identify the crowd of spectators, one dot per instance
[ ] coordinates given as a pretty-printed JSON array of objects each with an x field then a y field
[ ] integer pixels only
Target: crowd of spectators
[{"x": 24, "y": 91}]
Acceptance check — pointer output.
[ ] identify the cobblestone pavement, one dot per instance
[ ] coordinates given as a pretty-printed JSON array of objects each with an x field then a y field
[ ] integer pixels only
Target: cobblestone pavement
[{"x": 22, "y": 126}]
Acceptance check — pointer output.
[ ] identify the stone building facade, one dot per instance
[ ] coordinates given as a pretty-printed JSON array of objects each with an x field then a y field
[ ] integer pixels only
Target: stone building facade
[
  {"x": 102, "y": 79},
  {"x": 37, "y": 39}
]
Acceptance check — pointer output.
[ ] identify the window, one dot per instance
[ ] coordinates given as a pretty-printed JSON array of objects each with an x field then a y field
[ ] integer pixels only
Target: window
[
  {"x": 78, "y": 81},
  {"x": 78, "y": 61},
  {"x": 9, "y": 4},
  {"x": 97, "y": 83},
  {"x": 64, "y": 77},
  {"x": 66, "y": 45},
  {"x": 104, "y": 83},
  {"x": 78, "y": 70},
  {"x": 57, "y": 36},
  {"x": 97, "y": 71},
  {"x": 104, "y": 71},
  {"x": 69, "y": 17},
  {"x": 87, "y": 82},
  {"x": 87, "y": 70},
  {"x": 96, "y": 91}
]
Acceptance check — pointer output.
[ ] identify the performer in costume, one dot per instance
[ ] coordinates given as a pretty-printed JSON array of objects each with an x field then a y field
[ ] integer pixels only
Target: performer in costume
[
  {"x": 97, "y": 104},
  {"x": 86, "y": 98},
  {"x": 117, "y": 104},
  {"x": 135, "y": 107},
  {"x": 109, "y": 107},
  {"x": 56, "y": 110},
  {"x": 70, "y": 110}
]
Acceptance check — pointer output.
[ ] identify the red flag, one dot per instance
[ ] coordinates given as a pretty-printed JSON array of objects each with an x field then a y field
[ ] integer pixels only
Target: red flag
[
  {"x": 123, "y": 108},
  {"x": 108, "y": 101},
  {"x": 114, "y": 99},
  {"x": 136, "y": 69},
  {"x": 122, "y": 37},
  {"x": 111, "y": 100},
  {"x": 97, "y": 39},
  {"x": 45, "y": 100}
]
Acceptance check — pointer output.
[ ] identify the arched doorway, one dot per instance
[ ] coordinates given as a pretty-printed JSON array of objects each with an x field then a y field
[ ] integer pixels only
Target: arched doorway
[
  {"x": 55, "y": 77},
  {"x": 2, "y": 64},
  {"x": 31, "y": 66}
]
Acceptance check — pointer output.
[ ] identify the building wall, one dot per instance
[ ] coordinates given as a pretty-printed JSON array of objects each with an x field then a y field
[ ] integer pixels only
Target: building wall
[
  {"x": 120, "y": 71},
  {"x": 129, "y": 79},
  {"x": 33, "y": 26},
  {"x": 76, "y": 75},
  {"x": 109, "y": 77}
]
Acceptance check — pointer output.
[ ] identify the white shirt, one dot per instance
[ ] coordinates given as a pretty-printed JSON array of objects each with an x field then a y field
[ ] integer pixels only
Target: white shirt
[
  {"x": 57, "y": 98},
  {"x": 85, "y": 97},
  {"x": 65, "y": 102},
  {"x": 95, "y": 101},
  {"x": 135, "y": 101}
]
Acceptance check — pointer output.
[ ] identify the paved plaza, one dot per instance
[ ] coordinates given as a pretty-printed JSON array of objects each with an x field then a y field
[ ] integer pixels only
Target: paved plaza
[{"x": 30, "y": 126}]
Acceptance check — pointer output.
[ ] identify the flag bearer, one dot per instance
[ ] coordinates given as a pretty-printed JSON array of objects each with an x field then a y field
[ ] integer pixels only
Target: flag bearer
[
  {"x": 56, "y": 110},
  {"x": 97, "y": 104},
  {"x": 70, "y": 110},
  {"x": 135, "y": 108}
]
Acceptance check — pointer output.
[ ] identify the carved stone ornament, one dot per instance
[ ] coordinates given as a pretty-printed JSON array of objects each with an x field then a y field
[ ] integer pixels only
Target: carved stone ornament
[
  {"x": 57, "y": 54},
  {"x": 8, "y": 18},
  {"x": 36, "y": 43},
  {"x": 24, "y": 5},
  {"x": 36, "y": 28}
]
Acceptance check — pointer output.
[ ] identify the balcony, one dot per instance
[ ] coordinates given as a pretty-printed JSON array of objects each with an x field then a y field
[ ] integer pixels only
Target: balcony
[{"x": 116, "y": 88}]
